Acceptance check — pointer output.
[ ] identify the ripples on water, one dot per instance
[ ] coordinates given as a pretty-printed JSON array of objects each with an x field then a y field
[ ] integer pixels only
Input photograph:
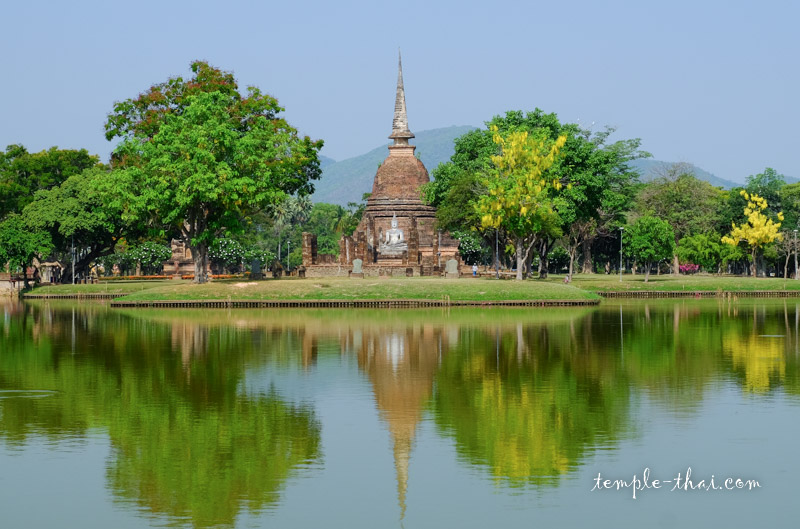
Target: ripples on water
[{"x": 377, "y": 418}]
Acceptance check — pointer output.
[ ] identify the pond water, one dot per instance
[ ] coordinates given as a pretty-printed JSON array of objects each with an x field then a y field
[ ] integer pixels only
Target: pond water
[{"x": 463, "y": 418}]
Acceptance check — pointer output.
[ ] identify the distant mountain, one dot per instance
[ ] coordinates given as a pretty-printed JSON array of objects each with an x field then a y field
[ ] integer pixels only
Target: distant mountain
[
  {"x": 324, "y": 161},
  {"x": 347, "y": 180},
  {"x": 652, "y": 169}
]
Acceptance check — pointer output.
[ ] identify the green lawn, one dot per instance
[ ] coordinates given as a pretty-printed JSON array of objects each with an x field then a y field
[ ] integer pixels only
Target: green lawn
[
  {"x": 104, "y": 287},
  {"x": 465, "y": 289},
  {"x": 602, "y": 282},
  {"x": 338, "y": 288}
]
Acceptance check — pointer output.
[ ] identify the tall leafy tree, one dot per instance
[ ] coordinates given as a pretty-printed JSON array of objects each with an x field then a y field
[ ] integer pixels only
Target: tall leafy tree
[
  {"x": 701, "y": 249},
  {"x": 519, "y": 194},
  {"x": 19, "y": 245},
  {"x": 649, "y": 240},
  {"x": 767, "y": 185},
  {"x": 22, "y": 173},
  {"x": 198, "y": 157},
  {"x": 758, "y": 231},
  {"x": 689, "y": 205},
  {"x": 601, "y": 182},
  {"x": 82, "y": 213},
  {"x": 601, "y": 189},
  {"x": 790, "y": 201}
]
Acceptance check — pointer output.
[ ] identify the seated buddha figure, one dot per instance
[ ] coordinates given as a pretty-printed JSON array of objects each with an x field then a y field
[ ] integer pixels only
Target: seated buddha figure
[{"x": 393, "y": 239}]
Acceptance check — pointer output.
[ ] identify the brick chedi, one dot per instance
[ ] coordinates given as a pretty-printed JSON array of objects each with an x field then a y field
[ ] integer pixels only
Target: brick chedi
[{"x": 397, "y": 234}]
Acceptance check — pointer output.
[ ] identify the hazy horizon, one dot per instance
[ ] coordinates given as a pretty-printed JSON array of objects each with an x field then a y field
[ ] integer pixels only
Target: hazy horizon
[{"x": 710, "y": 84}]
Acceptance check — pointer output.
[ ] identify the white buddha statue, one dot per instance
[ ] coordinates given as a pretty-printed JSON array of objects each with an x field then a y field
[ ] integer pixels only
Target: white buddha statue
[
  {"x": 395, "y": 234},
  {"x": 393, "y": 240}
]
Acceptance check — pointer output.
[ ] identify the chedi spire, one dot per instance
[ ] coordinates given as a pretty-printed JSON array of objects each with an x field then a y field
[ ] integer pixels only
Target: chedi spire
[{"x": 400, "y": 132}]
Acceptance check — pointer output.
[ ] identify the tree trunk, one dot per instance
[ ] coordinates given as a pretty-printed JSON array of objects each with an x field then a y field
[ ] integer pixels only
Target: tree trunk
[
  {"x": 753, "y": 264},
  {"x": 528, "y": 264},
  {"x": 571, "y": 261},
  {"x": 200, "y": 256},
  {"x": 647, "y": 267},
  {"x": 588, "y": 264},
  {"x": 543, "y": 249},
  {"x": 786, "y": 266},
  {"x": 676, "y": 266},
  {"x": 520, "y": 255}
]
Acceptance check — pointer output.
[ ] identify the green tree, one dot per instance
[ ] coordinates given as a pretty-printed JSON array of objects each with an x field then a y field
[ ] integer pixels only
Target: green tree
[
  {"x": 649, "y": 240},
  {"x": 790, "y": 200},
  {"x": 82, "y": 212},
  {"x": 768, "y": 186},
  {"x": 519, "y": 194},
  {"x": 600, "y": 191},
  {"x": 198, "y": 157},
  {"x": 22, "y": 174},
  {"x": 702, "y": 249},
  {"x": 759, "y": 230},
  {"x": 286, "y": 214},
  {"x": 689, "y": 205},
  {"x": 19, "y": 245}
]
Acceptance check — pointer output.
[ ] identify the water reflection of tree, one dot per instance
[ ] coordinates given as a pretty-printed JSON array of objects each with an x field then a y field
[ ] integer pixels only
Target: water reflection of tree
[
  {"x": 675, "y": 350},
  {"x": 186, "y": 442},
  {"x": 525, "y": 394},
  {"x": 528, "y": 403},
  {"x": 761, "y": 346}
]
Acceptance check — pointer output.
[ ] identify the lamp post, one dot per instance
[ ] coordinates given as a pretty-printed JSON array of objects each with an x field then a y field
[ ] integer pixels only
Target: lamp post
[
  {"x": 794, "y": 244},
  {"x": 621, "y": 229}
]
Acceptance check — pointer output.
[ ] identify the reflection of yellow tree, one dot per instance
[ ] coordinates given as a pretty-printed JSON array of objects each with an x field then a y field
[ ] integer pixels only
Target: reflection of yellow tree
[
  {"x": 760, "y": 358},
  {"x": 526, "y": 411},
  {"x": 187, "y": 443}
]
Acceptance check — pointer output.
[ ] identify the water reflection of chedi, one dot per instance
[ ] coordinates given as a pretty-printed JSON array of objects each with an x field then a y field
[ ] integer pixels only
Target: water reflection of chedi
[{"x": 402, "y": 364}]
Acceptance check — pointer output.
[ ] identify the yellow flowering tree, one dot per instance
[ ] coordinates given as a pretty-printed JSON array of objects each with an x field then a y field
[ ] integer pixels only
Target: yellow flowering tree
[
  {"x": 519, "y": 195},
  {"x": 758, "y": 231}
]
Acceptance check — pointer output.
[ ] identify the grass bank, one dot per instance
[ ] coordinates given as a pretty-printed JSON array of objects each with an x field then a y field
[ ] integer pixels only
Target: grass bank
[
  {"x": 583, "y": 287},
  {"x": 337, "y": 289},
  {"x": 107, "y": 287},
  {"x": 670, "y": 283}
]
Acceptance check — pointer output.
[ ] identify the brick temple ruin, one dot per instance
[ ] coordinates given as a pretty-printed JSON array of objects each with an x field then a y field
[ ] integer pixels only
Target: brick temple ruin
[{"x": 397, "y": 234}]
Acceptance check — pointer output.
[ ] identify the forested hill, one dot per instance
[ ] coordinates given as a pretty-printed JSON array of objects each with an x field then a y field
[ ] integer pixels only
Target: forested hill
[
  {"x": 651, "y": 169},
  {"x": 347, "y": 180}
]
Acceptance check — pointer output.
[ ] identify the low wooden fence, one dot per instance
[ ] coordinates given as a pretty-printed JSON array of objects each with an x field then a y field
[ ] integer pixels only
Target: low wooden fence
[
  {"x": 346, "y": 304},
  {"x": 650, "y": 294}
]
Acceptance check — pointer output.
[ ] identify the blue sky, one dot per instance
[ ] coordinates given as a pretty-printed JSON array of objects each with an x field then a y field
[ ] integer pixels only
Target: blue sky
[{"x": 711, "y": 83}]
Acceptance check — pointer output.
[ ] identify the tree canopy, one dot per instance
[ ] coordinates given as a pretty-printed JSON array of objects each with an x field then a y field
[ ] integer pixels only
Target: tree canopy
[
  {"x": 22, "y": 173},
  {"x": 758, "y": 231},
  {"x": 649, "y": 240},
  {"x": 601, "y": 181},
  {"x": 198, "y": 157},
  {"x": 19, "y": 245},
  {"x": 83, "y": 212}
]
